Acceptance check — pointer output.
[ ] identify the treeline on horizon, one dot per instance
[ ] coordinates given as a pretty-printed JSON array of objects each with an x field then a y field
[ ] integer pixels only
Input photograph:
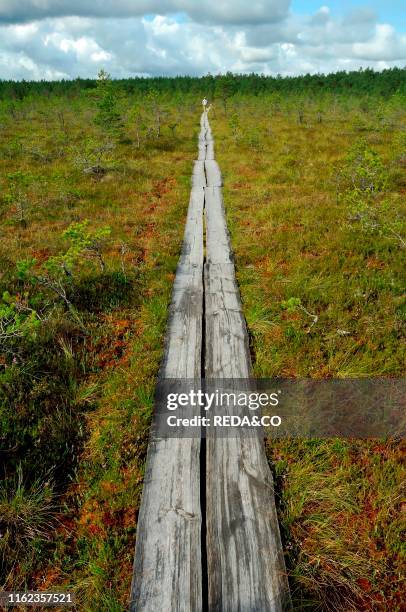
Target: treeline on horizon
[{"x": 363, "y": 81}]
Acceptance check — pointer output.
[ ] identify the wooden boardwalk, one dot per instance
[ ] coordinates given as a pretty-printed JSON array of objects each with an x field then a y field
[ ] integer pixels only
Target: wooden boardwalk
[{"x": 207, "y": 536}]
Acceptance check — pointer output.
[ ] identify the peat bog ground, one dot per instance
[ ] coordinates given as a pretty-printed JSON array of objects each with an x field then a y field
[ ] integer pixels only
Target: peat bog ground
[{"x": 94, "y": 187}]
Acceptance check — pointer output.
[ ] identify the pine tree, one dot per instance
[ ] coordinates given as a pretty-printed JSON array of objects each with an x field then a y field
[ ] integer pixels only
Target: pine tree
[{"x": 108, "y": 116}]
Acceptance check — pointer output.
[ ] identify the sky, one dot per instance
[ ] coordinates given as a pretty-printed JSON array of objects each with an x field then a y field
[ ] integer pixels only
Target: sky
[{"x": 54, "y": 39}]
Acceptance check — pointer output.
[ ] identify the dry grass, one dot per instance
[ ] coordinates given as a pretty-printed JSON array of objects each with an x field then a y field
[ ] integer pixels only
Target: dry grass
[
  {"x": 340, "y": 501},
  {"x": 84, "y": 397},
  {"x": 78, "y": 401}
]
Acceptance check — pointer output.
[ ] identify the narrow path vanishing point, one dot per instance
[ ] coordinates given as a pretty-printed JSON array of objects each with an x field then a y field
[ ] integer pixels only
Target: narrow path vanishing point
[{"x": 207, "y": 535}]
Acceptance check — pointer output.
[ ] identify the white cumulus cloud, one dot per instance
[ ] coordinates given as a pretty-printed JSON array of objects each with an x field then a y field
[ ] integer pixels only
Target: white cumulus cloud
[
  {"x": 219, "y": 11},
  {"x": 55, "y": 39}
]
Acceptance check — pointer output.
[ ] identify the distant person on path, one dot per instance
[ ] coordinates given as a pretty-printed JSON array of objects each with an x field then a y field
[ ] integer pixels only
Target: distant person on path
[{"x": 204, "y": 102}]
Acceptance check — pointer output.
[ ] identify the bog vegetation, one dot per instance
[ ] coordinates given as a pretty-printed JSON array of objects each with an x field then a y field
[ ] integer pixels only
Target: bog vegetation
[{"x": 94, "y": 180}]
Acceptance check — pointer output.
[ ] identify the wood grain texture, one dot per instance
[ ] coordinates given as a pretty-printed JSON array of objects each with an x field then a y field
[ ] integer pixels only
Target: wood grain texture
[
  {"x": 213, "y": 173},
  {"x": 217, "y": 239},
  {"x": 210, "y": 151},
  {"x": 245, "y": 566},
  {"x": 245, "y": 563},
  {"x": 167, "y": 572}
]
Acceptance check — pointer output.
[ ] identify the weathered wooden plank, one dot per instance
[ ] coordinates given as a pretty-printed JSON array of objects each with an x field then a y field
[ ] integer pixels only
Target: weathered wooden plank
[
  {"x": 217, "y": 238},
  {"x": 220, "y": 285},
  {"x": 202, "y": 153},
  {"x": 167, "y": 565},
  {"x": 198, "y": 174},
  {"x": 213, "y": 174},
  {"x": 227, "y": 349},
  {"x": 210, "y": 151},
  {"x": 192, "y": 249},
  {"x": 167, "y": 568},
  {"x": 184, "y": 342},
  {"x": 245, "y": 564}
]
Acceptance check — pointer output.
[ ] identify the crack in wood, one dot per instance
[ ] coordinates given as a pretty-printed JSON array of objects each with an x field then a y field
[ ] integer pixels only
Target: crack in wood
[{"x": 218, "y": 547}]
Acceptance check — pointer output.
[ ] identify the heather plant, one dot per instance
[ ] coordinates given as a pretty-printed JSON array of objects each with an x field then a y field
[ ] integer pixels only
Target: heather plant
[
  {"x": 295, "y": 303},
  {"x": 17, "y": 195},
  {"x": 253, "y": 139},
  {"x": 58, "y": 276},
  {"x": 322, "y": 285},
  {"x": 84, "y": 242},
  {"x": 94, "y": 157},
  {"x": 378, "y": 218},
  {"x": 76, "y": 391},
  {"x": 364, "y": 171},
  {"x": 17, "y": 320},
  {"x": 12, "y": 149},
  {"x": 364, "y": 179}
]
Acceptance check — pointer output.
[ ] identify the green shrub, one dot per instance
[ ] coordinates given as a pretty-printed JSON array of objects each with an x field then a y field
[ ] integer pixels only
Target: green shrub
[{"x": 363, "y": 171}]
